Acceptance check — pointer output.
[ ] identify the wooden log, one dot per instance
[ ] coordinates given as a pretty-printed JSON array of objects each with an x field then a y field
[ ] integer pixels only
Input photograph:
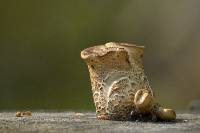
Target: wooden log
[{"x": 87, "y": 122}]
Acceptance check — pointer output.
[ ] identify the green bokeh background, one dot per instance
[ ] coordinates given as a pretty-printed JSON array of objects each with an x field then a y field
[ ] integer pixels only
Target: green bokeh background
[{"x": 41, "y": 40}]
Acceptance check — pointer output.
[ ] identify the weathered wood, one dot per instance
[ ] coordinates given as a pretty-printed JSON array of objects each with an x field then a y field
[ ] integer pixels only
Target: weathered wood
[{"x": 87, "y": 122}]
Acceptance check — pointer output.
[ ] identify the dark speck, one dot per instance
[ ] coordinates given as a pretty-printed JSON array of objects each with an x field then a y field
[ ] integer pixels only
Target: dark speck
[{"x": 92, "y": 66}]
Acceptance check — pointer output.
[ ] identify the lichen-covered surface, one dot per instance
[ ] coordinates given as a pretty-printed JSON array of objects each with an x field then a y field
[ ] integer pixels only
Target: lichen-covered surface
[{"x": 86, "y": 122}]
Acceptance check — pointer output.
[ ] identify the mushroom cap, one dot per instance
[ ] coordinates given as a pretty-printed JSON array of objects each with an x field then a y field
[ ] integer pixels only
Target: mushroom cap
[
  {"x": 101, "y": 50},
  {"x": 143, "y": 101}
]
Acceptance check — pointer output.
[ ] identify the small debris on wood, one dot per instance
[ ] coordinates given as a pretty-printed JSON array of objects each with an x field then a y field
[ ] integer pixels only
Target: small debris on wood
[
  {"x": 79, "y": 114},
  {"x": 18, "y": 114},
  {"x": 23, "y": 114}
]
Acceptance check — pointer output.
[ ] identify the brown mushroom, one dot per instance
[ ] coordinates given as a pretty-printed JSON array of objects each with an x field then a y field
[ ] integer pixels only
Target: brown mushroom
[
  {"x": 165, "y": 114},
  {"x": 144, "y": 101}
]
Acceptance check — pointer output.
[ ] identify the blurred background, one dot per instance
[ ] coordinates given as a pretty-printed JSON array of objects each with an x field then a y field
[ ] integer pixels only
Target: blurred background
[{"x": 41, "y": 40}]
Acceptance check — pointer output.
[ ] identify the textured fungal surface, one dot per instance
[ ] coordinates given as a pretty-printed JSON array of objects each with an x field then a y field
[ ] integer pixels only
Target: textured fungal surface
[
  {"x": 120, "y": 88},
  {"x": 116, "y": 73}
]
